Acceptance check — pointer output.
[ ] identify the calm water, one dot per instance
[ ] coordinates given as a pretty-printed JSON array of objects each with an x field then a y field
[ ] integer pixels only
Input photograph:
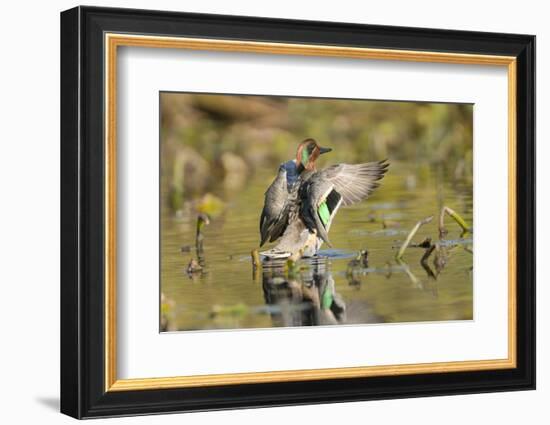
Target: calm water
[{"x": 228, "y": 293}]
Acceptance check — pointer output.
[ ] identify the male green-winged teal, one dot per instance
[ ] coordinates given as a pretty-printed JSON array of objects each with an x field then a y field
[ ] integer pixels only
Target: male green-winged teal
[{"x": 301, "y": 202}]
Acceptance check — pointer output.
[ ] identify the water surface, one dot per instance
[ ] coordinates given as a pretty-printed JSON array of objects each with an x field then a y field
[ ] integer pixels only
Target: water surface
[{"x": 333, "y": 289}]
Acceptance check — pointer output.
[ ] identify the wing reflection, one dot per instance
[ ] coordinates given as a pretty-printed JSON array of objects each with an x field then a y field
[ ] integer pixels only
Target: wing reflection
[{"x": 303, "y": 295}]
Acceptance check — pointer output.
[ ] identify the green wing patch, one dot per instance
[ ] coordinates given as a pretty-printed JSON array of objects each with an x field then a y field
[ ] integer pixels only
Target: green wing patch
[
  {"x": 326, "y": 298},
  {"x": 324, "y": 213}
]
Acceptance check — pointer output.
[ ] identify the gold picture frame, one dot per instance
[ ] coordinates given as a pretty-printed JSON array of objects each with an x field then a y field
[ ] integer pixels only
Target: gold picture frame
[{"x": 114, "y": 41}]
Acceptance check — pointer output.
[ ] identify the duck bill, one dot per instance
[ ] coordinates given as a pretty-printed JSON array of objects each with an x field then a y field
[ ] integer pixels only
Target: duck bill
[{"x": 324, "y": 150}]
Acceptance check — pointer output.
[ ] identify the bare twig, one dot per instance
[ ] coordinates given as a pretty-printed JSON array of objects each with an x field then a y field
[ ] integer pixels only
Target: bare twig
[{"x": 411, "y": 235}]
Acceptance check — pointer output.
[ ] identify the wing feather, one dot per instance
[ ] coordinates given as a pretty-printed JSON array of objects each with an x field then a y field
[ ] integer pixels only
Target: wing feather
[
  {"x": 274, "y": 218},
  {"x": 346, "y": 184},
  {"x": 354, "y": 182}
]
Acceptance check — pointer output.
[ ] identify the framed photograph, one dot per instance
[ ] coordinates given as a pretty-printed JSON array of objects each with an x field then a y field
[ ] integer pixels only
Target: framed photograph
[{"x": 261, "y": 212}]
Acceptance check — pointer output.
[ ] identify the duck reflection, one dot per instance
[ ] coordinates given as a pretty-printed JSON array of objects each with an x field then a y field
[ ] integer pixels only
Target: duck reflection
[{"x": 302, "y": 294}]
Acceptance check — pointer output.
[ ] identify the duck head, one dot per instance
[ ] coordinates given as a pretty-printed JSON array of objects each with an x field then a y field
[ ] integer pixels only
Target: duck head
[{"x": 307, "y": 153}]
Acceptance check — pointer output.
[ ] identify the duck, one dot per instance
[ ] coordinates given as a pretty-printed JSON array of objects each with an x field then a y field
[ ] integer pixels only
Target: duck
[{"x": 301, "y": 202}]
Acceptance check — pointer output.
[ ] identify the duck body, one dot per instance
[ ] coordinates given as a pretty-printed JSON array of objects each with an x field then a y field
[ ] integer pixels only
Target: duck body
[
  {"x": 290, "y": 231},
  {"x": 301, "y": 203}
]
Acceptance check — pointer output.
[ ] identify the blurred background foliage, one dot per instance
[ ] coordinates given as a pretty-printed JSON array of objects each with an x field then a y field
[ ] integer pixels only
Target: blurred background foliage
[{"x": 215, "y": 143}]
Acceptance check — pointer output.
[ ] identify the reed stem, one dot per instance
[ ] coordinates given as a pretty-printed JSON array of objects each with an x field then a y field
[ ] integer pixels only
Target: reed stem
[{"x": 411, "y": 234}]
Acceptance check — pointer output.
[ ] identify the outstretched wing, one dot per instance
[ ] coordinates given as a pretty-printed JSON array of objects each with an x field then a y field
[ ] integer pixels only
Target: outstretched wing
[
  {"x": 342, "y": 184},
  {"x": 354, "y": 182},
  {"x": 274, "y": 218}
]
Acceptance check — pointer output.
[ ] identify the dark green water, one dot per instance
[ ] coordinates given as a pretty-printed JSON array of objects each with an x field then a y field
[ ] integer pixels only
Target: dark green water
[{"x": 229, "y": 294}]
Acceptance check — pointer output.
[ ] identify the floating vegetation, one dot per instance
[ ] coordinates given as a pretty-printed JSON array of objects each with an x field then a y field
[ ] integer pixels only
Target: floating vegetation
[
  {"x": 194, "y": 267},
  {"x": 361, "y": 260},
  {"x": 357, "y": 268}
]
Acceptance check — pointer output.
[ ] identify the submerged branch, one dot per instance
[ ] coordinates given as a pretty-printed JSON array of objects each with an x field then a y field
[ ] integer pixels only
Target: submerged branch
[
  {"x": 427, "y": 254},
  {"x": 440, "y": 259},
  {"x": 414, "y": 280},
  {"x": 424, "y": 262}
]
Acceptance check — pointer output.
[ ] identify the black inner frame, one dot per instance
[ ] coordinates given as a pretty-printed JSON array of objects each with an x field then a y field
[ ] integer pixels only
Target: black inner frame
[{"x": 82, "y": 212}]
